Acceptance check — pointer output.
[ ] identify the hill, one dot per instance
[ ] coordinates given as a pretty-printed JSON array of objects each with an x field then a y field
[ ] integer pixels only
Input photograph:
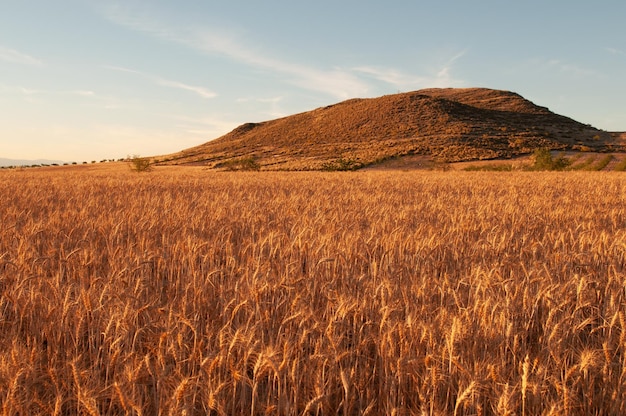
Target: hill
[{"x": 447, "y": 125}]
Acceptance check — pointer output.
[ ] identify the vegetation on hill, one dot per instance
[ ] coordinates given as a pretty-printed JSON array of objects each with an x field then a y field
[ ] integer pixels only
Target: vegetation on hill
[{"x": 450, "y": 125}]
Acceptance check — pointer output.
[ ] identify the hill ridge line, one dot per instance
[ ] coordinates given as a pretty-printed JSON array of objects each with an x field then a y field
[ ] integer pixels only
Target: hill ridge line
[{"x": 446, "y": 124}]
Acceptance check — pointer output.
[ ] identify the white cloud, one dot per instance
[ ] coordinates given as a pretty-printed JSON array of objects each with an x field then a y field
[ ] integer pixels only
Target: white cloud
[
  {"x": 207, "y": 126},
  {"x": 335, "y": 82},
  {"x": 404, "y": 81},
  {"x": 569, "y": 68},
  {"x": 15, "y": 57},
  {"x": 83, "y": 93},
  {"x": 31, "y": 92},
  {"x": 273, "y": 104},
  {"x": 341, "y": 83},
  {"x": 259, "y": 100},
  {"x": 614, "y": 51},
  {"x": 201, "y": 91}
]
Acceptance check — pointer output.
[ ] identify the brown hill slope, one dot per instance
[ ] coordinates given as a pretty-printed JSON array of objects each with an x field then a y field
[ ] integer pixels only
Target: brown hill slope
[{"x": 447, "y": 124}]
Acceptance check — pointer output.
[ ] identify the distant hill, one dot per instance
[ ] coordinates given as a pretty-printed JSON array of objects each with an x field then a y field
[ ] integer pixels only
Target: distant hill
[
  {"x": 24, "y": 162},
  {"x": 448, "y": 125}
]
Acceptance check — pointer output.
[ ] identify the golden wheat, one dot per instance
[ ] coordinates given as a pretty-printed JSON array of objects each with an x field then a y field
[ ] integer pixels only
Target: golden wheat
[{"x": 191, "y": 292}]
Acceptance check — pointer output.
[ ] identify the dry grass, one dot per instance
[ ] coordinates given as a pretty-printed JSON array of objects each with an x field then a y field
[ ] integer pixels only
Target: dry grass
[
  {"x": 449, "y": 125},
  {"x": 312, "y": 293}
]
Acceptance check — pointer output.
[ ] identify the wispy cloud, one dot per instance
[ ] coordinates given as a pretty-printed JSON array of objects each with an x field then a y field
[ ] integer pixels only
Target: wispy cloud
[
  {"x": 404, "y": 81},
  {"x": 16, "y": 57},
  {"x": 203, "y": 127},
  {"x": 571, "y": 69},
  {"x": 273, "y": 103},
  {"x": 82, "y": 96},
  {"x": 444, "y": 72},
  {"x": 614, "y": 51},
  {"x": 83, "y": 93},
  {"x": 336, "y": 82},
  {"x": 29, "y": 91},
  {"x": 201, "y": 91},
  {"x": 33, "y": 91}
]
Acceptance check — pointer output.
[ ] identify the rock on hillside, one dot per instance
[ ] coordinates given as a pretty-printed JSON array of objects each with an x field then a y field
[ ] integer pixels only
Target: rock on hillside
[{"x": 448, "y": 125}]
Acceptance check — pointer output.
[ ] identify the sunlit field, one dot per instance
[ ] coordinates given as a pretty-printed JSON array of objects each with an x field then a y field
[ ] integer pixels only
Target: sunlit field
[{"x": 183, "y": 291}]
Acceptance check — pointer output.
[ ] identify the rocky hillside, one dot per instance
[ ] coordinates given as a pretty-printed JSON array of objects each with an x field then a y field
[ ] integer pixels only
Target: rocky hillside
[{"x": 448, "y": 125}]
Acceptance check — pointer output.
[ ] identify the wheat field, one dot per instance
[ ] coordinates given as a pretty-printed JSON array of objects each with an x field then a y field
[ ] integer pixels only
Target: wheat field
[{"x": 399, "y": 293}]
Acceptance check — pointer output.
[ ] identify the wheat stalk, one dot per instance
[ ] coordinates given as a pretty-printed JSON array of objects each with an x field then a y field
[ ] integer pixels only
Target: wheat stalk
[{"x": 381, "y": 292}]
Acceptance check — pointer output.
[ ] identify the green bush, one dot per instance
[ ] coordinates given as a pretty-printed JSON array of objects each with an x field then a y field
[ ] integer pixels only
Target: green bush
[
  {"x": 585, "y": 164},
  {"x": 342, "y": 164},
  {"x": 602, "y": 163},
  {"x": 248, "y": 163},
  {"x": 493, "y": 167},
  {"x": 544, "y": 161},
  {"x": 140, "y": 164},
  {"x": 621, "y": 166}
]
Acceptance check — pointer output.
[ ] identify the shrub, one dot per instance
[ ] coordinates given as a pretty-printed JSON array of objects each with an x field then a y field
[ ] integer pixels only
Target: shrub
[
  {"x": 585, "y": 164},
  {"x": 342, "y": 164},
  {"x": 493, "y": 167},
  {"x": 602, "y": 163},
  {"x": 621, "y": 166},
  {"x": 544, "y": 161},
  {"x": 140, "y": 164},
  {"x": 248, "y": 163}
]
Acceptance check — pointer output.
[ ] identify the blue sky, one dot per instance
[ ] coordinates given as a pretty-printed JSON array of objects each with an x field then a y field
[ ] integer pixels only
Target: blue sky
[{"x": 86, "y": 80}]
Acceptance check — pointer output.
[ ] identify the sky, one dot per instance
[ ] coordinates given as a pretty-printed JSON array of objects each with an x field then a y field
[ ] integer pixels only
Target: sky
[{"x": 84, "y": 80}]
